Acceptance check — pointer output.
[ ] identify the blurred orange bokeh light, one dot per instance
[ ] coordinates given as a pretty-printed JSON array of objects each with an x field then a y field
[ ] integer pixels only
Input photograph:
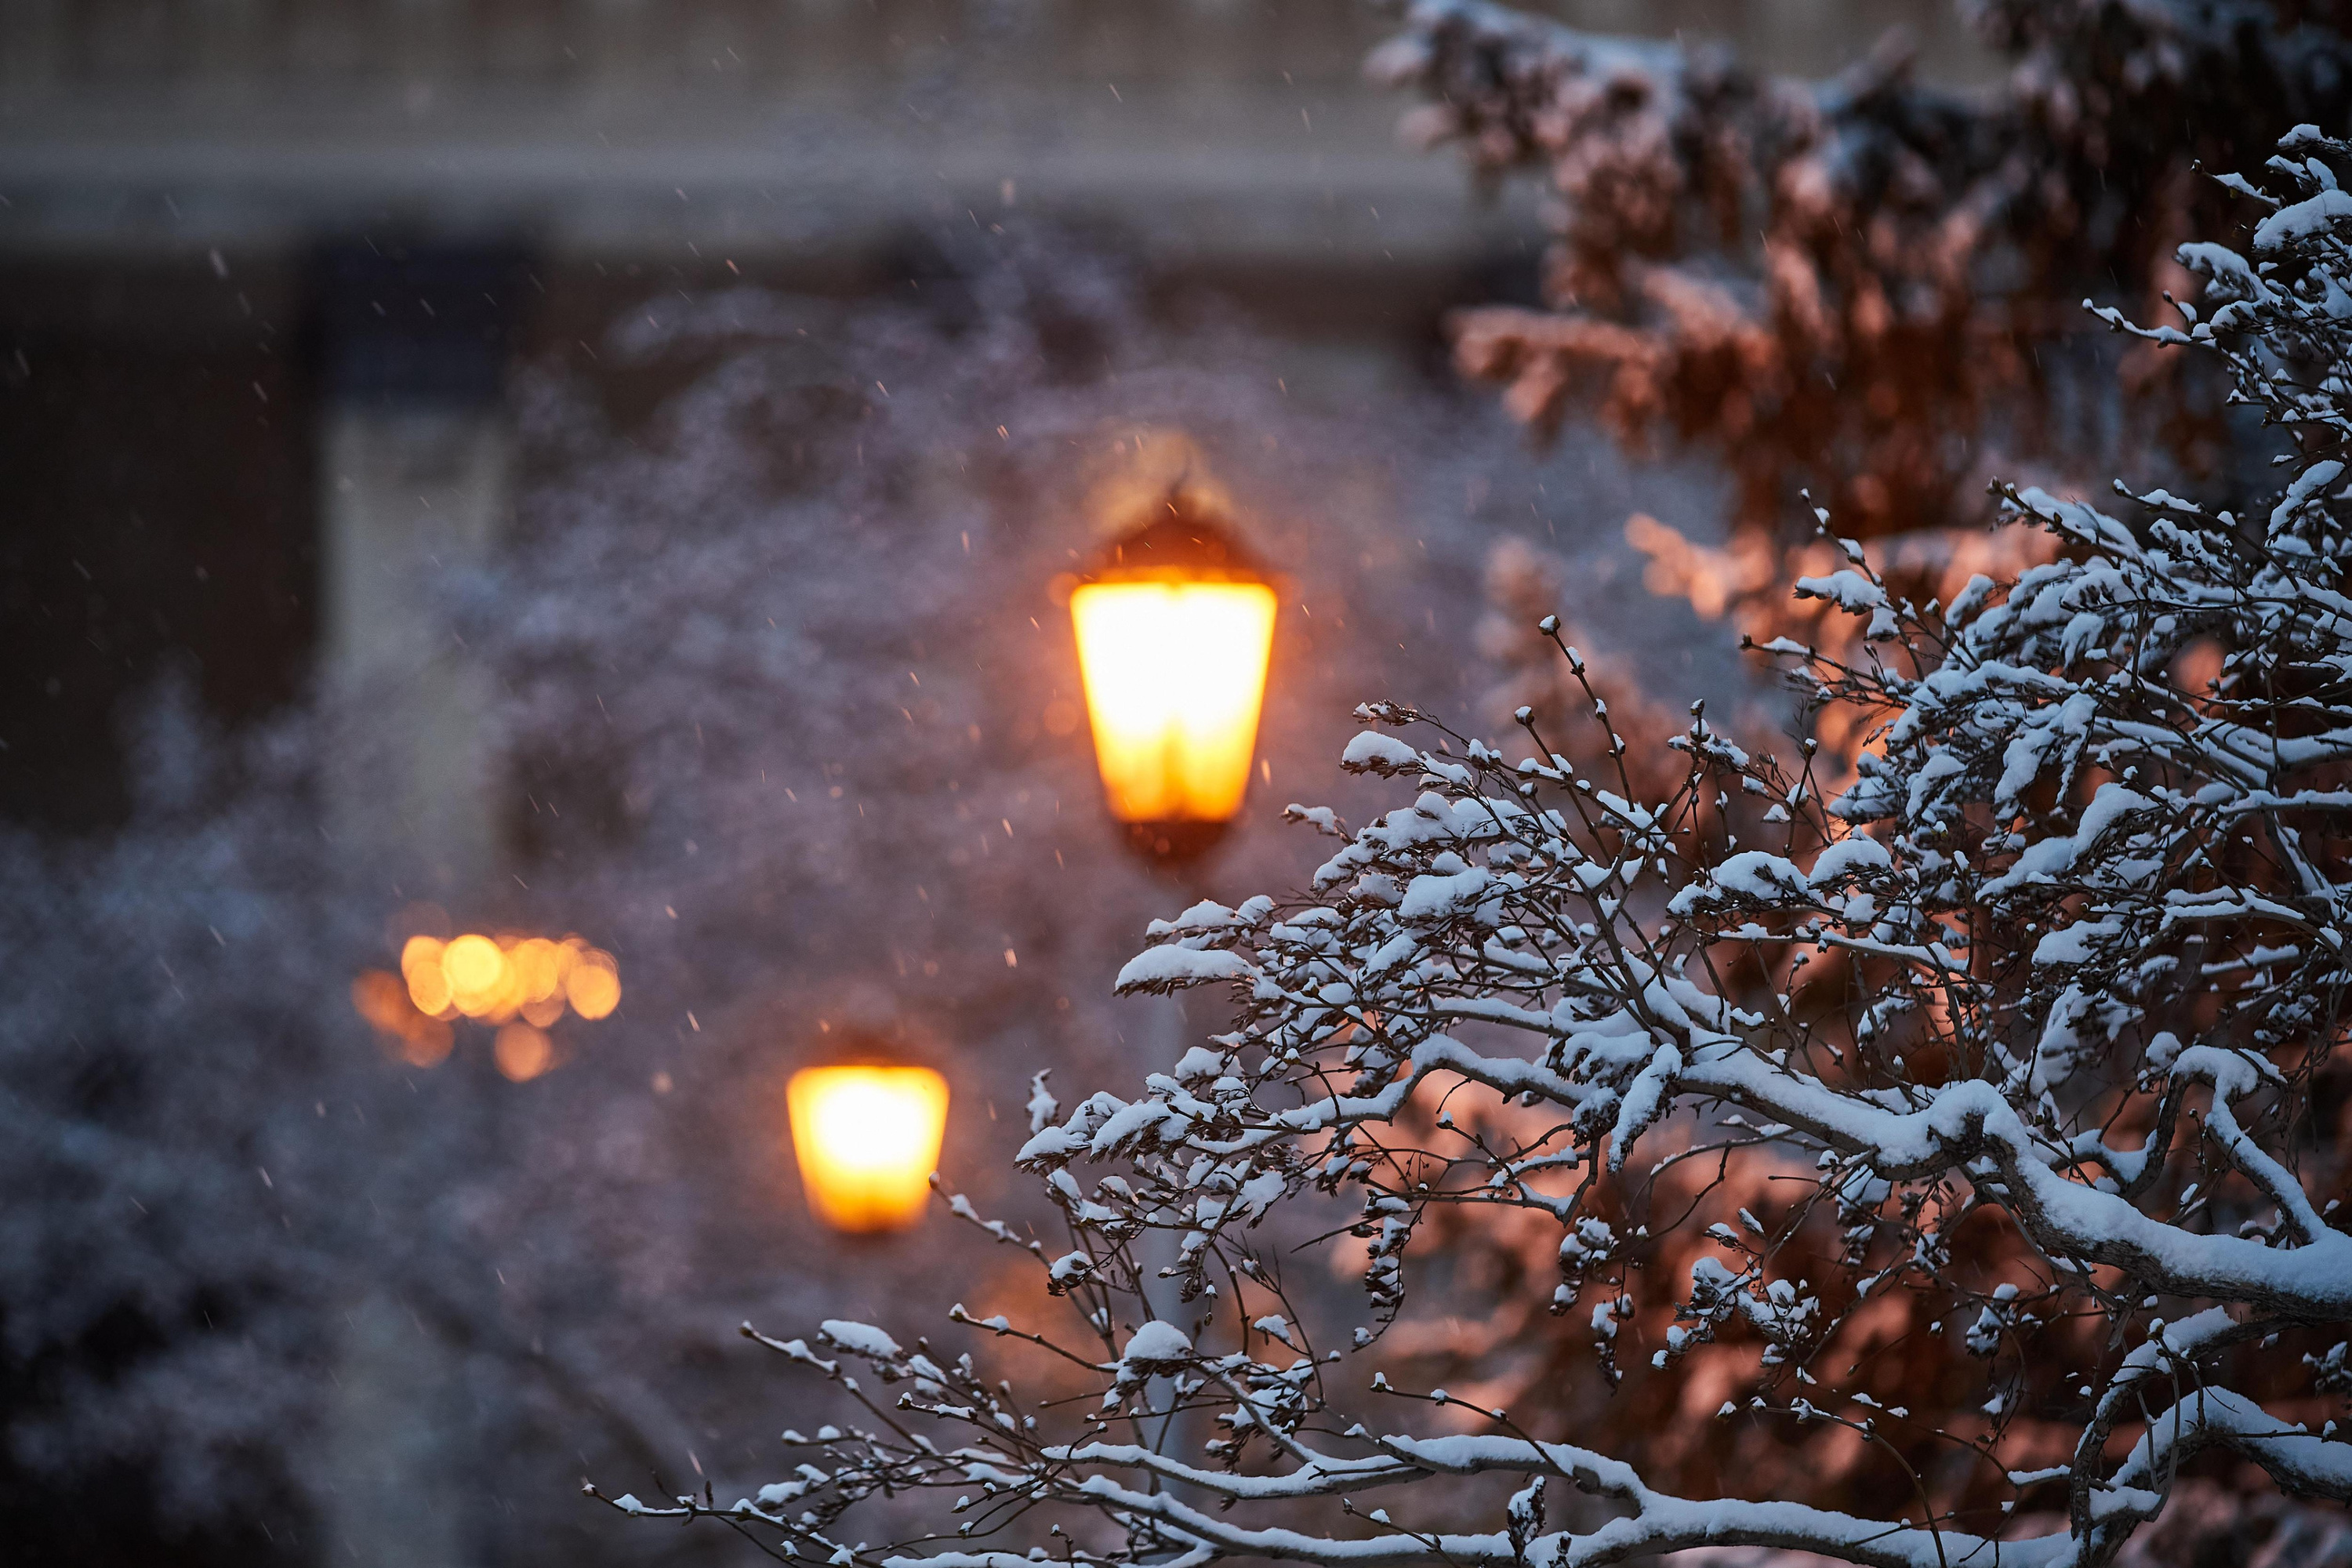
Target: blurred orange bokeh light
[
  {"x": 418, "y": 1040},
  {"x": 868, "y": 1139},
  {"x": 522, "y": 1052},
  {"x": 499, "y": 978},
  {"x": 518, "y": 983},
  {"x": 594, "y": 984}
]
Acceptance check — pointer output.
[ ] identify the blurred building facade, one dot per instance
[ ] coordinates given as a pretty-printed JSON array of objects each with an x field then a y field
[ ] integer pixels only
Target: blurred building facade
[{"x": 1221, "y": 127}]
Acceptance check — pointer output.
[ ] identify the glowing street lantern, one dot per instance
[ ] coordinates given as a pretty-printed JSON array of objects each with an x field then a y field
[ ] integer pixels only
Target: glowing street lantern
[
  {"x": 867, "y": 1140},
  {"x": 1173, "y": 638}
]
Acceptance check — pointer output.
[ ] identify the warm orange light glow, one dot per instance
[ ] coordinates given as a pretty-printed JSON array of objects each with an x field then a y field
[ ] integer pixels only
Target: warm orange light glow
[
  {"x": 379, "y": 998},
  {"x": 868, "y": 1139},
  {"x": 522, "y": 1052},
  {"x": 1175, "y": 673},
  {"x": 428, "y": 1047}
]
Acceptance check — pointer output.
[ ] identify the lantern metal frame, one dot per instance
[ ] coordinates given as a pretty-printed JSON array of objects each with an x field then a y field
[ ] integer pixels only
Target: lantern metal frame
[{"x": 1185, "y": 537}]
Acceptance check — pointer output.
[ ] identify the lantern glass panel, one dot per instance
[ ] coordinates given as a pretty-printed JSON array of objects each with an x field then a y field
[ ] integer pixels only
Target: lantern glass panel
[
  {"x": 1175, "y": 674},
  {"x": 867, "y": 1140}
]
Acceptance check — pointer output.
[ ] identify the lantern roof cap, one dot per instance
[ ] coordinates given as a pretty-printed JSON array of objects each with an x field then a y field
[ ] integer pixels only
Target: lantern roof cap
[
  {"x": 1180, "y": 534},
  {"x": 871, "y": 1043}
]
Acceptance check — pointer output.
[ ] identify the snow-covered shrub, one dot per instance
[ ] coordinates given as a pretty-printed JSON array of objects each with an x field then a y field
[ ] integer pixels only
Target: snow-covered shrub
[{"x": 2032, "y": 1027}]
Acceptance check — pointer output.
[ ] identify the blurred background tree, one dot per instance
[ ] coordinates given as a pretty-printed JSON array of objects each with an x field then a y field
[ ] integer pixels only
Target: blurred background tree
[{"x": 1870, "y": 286}]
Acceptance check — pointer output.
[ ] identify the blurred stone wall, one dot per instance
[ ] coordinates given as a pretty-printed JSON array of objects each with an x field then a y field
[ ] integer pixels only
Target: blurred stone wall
[{"x": 1220, "y": 126}]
